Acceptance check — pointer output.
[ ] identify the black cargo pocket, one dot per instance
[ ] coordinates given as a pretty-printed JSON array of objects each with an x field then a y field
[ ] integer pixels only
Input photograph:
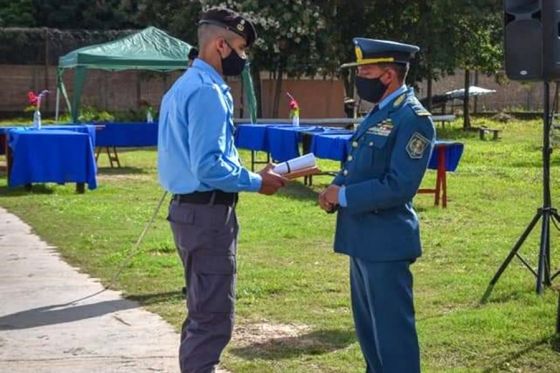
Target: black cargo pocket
[
  {"x": 214, "y": 265},
  {"x": 212, "y": 287}
]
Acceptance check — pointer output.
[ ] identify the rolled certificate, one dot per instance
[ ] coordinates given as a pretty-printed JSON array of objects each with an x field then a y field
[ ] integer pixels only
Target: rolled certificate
[{"x": 296, "y": 164}]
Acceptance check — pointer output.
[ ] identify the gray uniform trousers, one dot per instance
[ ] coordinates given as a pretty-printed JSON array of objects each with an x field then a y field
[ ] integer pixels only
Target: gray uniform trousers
[{"x": 206, "y": 239}]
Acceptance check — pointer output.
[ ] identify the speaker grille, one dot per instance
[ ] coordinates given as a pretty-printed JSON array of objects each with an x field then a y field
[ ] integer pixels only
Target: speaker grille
[{"x": 524, "y": 50}]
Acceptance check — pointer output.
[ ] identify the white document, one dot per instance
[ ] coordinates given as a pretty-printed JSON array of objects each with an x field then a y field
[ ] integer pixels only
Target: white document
[{"x": 296, "y": 164}]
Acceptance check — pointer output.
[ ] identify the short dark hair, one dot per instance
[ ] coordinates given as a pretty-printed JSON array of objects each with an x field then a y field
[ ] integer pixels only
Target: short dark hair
[
  {"x": 193, "y": 53},
  {"x": 400, "y": 68}
]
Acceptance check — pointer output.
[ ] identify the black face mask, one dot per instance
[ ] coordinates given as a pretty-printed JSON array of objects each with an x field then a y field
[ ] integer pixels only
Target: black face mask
[
  {"x": 370, "y": 89},
  {"x": 233, "y": 64}
]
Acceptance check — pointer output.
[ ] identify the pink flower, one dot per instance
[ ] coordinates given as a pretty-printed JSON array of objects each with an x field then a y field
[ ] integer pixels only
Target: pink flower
[
  {"x": 293, "y": 103},
  {"x": 32, "y": 98}
]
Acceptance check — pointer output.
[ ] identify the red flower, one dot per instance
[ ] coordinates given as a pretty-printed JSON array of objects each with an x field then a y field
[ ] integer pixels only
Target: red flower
[
  {"x": 32, "y": 98},
  {"x": 293, "y": 103}
]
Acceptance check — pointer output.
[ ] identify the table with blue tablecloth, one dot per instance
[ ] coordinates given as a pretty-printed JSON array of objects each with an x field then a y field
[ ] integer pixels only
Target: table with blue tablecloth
[
  {"x": 125, "y": 135},
  {"x": 282, "y": 142},
  {"x": 445, "y": 158},
  {"x": 48, "y": 155},
  {"x": 82, "y": 128},
  {"x": 332, "y": 145}
]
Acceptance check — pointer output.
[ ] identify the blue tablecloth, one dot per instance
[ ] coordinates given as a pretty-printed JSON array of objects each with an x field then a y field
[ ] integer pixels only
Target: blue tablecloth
[
  {"x": 82, "y": 128},
  {"x": 252, "y": 137},
  {"x": 58, "y": 156},
  {"x": 282, "y": 142},
  {"x": 336, "y": 147},
  {"x": 129, "y": 135},
  {"x": 453, "y": 153},
  {"x": 333, "y": 146}
]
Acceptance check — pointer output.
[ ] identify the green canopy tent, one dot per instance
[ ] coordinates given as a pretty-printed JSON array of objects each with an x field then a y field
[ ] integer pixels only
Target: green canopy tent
[{"x": 149, "y": 49}]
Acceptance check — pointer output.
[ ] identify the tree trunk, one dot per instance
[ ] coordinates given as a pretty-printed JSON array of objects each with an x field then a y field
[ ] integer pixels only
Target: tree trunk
[
  {"x": 138, "y": 89},
  {"x": 255, "y": 71},
  {"x": 429, "y": 86},
  {"x": 475, "y": 99},
  {"x": 46, "y": 106},
  {"x": 466, "y": 114},
  {"x": 429, "y": 91},
  {"x": 278, "y": 91}
]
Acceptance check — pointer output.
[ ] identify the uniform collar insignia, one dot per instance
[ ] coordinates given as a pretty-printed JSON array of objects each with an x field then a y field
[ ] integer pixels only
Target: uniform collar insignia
[{"x": 399, "y": 100}]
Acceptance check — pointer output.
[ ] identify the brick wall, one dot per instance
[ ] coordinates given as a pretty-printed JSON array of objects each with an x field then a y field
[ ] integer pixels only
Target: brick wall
[{"x": 120, "y": 91}]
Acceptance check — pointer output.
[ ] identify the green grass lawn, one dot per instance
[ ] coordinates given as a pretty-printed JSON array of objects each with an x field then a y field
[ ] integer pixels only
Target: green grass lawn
[{"x": 293, "y": 306}]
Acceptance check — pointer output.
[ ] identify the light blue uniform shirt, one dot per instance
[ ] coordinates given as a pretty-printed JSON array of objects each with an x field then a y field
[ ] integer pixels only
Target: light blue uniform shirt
[
  {"x": 402, "y": 89},
  {"x": 196, "y": 150}
]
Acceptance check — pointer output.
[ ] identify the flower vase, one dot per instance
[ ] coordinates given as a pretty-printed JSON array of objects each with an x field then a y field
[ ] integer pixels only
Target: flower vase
[
  {"x": 37, "y": 120},
  {"x": 295, "y": 120}
]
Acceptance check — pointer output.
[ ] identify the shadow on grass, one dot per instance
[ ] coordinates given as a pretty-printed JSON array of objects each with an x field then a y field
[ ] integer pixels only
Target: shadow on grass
[
  {"x": 451, "y": 312},
  {"x": 518, "y": 354},
  {"x": 314, "y": 343},
  {"x": 555, "y": 343},
  {"x": 6, "y": 191},
  {"x": 155, "y": 298},
  {"x": 107, "y": 170},
  {"x": 61, "y": 313},
  {"x": 298, "y": 191}
]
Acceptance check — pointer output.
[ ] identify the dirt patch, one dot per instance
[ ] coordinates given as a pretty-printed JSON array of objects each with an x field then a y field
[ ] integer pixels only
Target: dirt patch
[{"x": 264, "y": 333}]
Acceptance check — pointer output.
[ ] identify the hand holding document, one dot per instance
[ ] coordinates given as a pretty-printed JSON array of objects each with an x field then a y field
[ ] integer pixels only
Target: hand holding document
[{"x": 305, "y": 165}]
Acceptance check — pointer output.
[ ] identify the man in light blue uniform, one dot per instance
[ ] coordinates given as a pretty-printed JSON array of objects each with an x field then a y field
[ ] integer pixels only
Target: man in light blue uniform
[
  {"x": 199, "y": 164},
  {"x": 376, "y": 223}
]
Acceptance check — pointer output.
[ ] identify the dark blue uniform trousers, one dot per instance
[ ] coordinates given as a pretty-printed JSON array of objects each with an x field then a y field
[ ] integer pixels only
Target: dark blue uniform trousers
[
  {"x": 383, "y": 308},
  {"x": 206, "y": 238}
]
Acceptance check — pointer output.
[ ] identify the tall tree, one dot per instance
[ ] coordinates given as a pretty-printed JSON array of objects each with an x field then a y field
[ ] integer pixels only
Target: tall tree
[
  {"x": 290, "y": 35},
  {"x": 85, "y": 14},
  {"x": 478, "y": 42},
  {"x": 16, "y": 13}
]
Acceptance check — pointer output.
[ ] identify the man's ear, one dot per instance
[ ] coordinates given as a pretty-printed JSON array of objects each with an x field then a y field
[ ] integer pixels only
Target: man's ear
[
  {"x": 390, "y": 76},
  {"x": 221, "y": 45}
]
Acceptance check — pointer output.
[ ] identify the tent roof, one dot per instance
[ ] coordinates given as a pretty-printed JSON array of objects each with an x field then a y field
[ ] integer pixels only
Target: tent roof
[
  {"x": 149, "y": 49},
  {"x": 473, "y": 91}
]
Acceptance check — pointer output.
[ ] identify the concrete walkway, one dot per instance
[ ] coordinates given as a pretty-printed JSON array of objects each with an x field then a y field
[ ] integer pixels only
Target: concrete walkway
[{"x": 42, "y": 330}]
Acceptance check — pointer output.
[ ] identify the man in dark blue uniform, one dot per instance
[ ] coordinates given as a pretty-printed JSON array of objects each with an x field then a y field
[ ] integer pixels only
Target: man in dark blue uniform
[{"x": 376, "y": 223}]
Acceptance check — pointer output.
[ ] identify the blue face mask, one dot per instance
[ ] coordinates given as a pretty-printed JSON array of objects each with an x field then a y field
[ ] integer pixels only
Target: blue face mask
[
  {"x": 233, "y": 64},
  {"x": 370, "y": 89}
]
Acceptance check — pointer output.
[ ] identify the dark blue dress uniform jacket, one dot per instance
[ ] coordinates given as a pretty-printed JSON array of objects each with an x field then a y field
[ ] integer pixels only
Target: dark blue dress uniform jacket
[{"x": 388, "y": 157}]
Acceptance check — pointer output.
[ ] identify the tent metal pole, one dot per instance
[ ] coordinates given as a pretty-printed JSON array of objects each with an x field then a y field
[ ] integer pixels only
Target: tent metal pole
[{"x": 57, "y": 108}]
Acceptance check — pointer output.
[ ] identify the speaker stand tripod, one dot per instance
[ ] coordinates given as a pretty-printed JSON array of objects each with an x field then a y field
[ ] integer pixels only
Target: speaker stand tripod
[{"x": 547, "y": 213}]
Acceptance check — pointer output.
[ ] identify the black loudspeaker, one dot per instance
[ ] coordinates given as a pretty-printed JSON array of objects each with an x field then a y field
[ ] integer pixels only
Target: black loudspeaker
[
  {"x": 532, "y": 39},
  {"x": 551, "y": 45}
]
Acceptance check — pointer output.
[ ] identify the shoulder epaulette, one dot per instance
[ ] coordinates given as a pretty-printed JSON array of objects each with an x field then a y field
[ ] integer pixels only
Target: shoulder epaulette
[
  {"x": 421, "y": 111},
  {"x": 399, "y": 100}
]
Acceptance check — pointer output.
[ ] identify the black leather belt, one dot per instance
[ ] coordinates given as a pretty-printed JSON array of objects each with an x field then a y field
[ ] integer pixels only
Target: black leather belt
[{"x": 215, "y": 197}]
